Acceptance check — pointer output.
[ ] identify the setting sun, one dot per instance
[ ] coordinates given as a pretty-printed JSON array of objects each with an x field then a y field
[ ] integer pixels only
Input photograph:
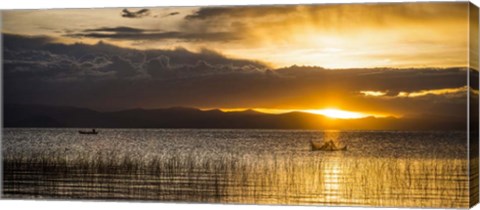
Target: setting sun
[
  {"x": 336, "y": 113},
  {"x": 330, "y": 112}
]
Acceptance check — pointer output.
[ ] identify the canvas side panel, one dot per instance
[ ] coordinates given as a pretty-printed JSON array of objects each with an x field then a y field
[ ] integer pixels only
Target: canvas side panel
[
  {"x": 1, "y": 104},
  {"x": 473, "y": 106}
]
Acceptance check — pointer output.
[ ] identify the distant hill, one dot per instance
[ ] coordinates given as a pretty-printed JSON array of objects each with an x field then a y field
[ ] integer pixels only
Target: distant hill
[{"x": 16, "y": 115}]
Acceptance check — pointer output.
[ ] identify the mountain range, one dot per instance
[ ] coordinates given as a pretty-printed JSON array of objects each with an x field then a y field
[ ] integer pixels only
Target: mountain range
[{"x": 22, "y": 115}]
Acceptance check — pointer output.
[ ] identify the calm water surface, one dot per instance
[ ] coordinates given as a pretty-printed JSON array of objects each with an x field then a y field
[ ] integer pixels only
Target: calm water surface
[{"x": 422, "y": 169}]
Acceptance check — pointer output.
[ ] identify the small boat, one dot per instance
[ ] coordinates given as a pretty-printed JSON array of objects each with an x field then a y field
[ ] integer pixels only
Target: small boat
[
  {"x": 93, "y": 131},
  {"x": 327, "y": 146}
]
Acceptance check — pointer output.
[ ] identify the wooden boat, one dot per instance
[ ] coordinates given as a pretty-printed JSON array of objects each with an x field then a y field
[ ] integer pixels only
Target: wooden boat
[
  {"x": 328, "y": 146},
  {"x": 92, "y": 132}
]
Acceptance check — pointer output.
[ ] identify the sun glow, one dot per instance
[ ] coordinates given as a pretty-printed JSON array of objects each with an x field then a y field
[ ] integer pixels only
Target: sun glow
[
  {"x": 329, "y": 112},
  {"x": 336, "y": 113}
]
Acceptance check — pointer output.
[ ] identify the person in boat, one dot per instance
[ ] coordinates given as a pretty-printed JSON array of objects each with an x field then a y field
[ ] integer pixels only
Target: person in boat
[{"x": 329, "y": 145}]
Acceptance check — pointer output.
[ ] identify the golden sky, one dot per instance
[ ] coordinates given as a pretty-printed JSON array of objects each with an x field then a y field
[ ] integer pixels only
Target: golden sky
[{"x": 331, "y": 36}]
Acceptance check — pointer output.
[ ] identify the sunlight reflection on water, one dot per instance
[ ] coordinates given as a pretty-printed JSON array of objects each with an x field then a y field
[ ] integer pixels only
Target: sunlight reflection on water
[{"x": 421, "y": 169}]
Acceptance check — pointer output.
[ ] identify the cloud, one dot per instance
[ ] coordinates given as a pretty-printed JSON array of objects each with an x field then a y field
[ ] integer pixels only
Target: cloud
[
  {"x": 341, "y": 12},
  {"x": 344, "y": 27},
  {"x": 107, "y": 77},
  {"x": 373, "y": 93},
  {"x": 447, "y": 92},
  {"x": 128, "y": 33},
  {"x": 361, "y": 35},
  {"x": 241, "y": 12},
  {"x": 80, "y": 61},
  {"x": 171, "y": 14},
  {"x": 120, "y": 29},
  {"x": 135, "y": 14},
  {"x": 18, "y": 42}
]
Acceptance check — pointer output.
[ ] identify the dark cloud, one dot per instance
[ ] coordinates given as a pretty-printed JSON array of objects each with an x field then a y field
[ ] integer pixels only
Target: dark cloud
[
  {"x": 255, "y": 11},
  {"x": 119, "y": 29},
  {"x": 135, "y": 14},
  {"x": 86, "y": 59},
  {"x": 107, "y": 77},
  {"x": 171, "y": 14},
  {"x": 123, "y": 33},
  {"x": 415, "y": 11},
  {"x": 16, "y": 42},
  {"x": 246, "y": 20}
]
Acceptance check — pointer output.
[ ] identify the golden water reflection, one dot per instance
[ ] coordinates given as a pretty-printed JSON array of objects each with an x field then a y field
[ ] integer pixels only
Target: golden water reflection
[
  {"x": 357, "y": 182},
  {"x": 332, "y": 175},
  {"x": 265, "y": 167}
]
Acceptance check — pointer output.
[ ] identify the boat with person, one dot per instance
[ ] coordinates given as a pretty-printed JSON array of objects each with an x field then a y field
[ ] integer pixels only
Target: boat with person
[
  {"x": 93, "y": 131},
  {"x": 327, "y": 146}
]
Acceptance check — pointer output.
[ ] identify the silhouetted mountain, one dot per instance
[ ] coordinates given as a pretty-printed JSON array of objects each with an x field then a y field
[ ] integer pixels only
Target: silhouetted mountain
[{"x": 16, "y": 115}]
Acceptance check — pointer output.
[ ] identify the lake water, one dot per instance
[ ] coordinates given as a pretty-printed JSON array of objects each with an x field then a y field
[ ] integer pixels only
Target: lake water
[{"x": 402, "y": 169}]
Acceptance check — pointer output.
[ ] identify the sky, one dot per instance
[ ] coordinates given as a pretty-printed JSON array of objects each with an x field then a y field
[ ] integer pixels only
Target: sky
[
  {"x": 331, "y": 36},
  {"x": 353, "y": 60}
]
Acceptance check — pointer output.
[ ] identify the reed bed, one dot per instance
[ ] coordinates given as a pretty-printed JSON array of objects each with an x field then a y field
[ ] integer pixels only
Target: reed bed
[{"x": 239, "y": 178}]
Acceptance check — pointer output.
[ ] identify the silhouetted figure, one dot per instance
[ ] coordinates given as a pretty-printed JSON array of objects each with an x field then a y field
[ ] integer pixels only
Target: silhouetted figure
[
  {"x": 93, "y": 131},
  {"x": 327, "y": 146}
]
